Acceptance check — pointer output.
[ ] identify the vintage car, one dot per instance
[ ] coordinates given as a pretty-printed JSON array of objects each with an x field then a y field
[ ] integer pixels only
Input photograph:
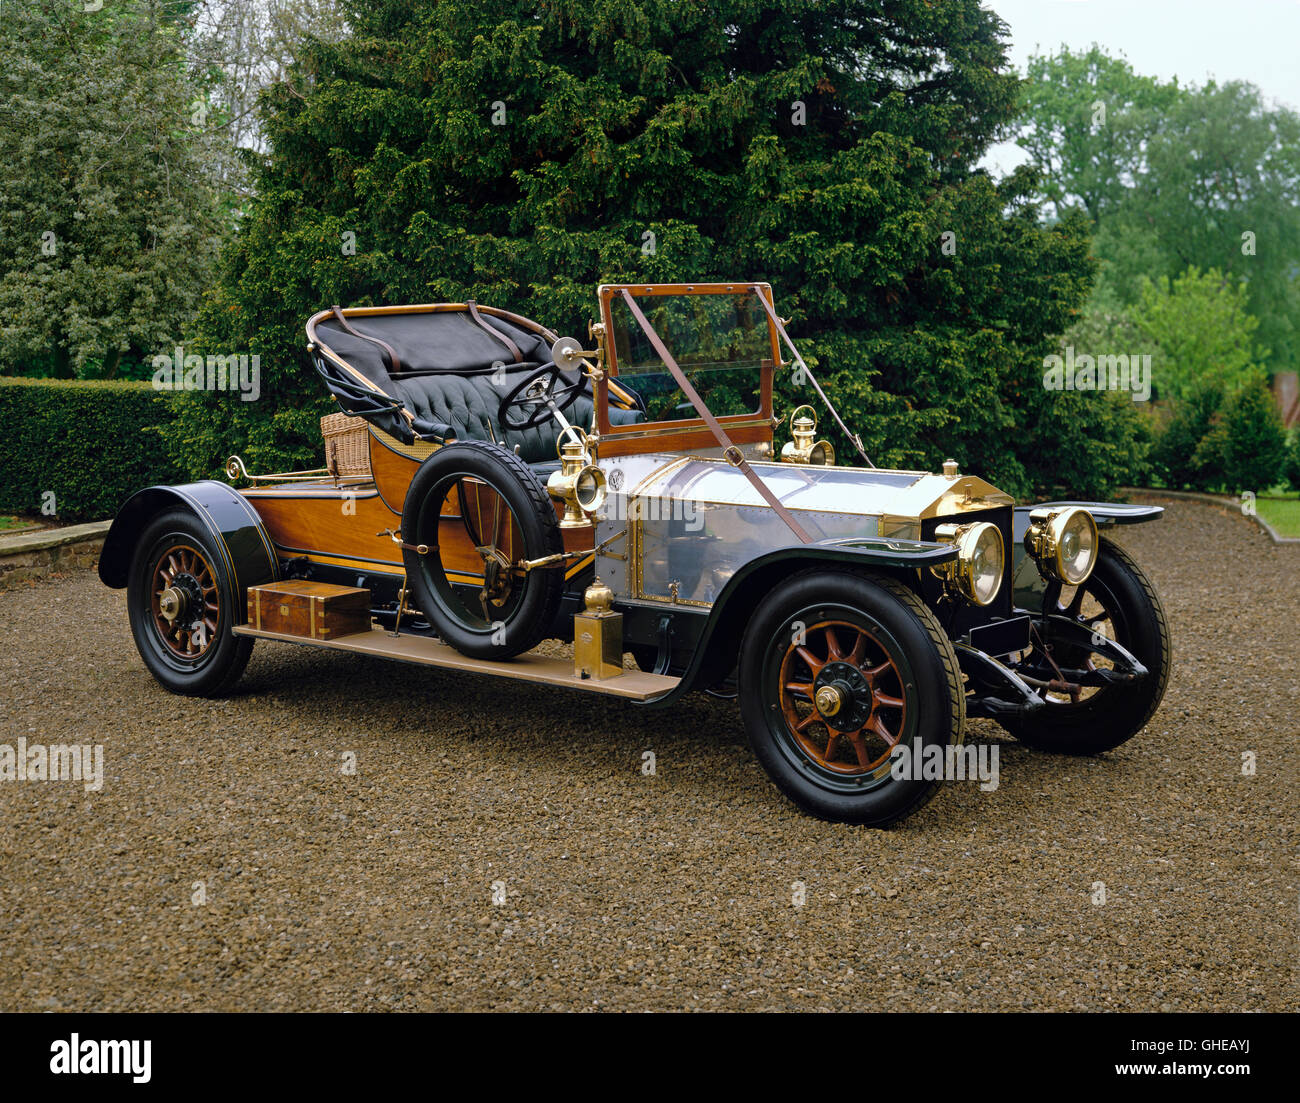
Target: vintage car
[{"x": 491, "y": 488}]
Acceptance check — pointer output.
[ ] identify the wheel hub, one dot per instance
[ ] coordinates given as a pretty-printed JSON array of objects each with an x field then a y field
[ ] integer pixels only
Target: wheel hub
[
  {"x": 187, "y": 598},
  {"x": 842, "y": 696},
  {"x": 172, "y": 603}
]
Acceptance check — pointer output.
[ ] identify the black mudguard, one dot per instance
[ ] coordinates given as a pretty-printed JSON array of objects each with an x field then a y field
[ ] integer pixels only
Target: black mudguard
[
  {"x": 1027, "y": 582},
  {"x": 230, "y": 519},
  {"x": 720, "y": 634}
]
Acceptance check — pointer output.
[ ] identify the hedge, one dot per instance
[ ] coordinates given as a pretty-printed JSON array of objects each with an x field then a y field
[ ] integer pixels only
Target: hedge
[{"x": 92, "y": 443}]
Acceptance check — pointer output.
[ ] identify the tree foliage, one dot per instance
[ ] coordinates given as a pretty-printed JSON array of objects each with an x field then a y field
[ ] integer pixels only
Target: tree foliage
[
  {"x": 108, "y": 221},
  {"x": 521, "y": 153},
  {"x": 1202, "y": 330},
  {"x": 1173, "y": 177}
]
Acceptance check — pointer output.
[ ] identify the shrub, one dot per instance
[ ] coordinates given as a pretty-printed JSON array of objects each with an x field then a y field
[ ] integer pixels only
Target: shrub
[
  {"x": 1293, "y": 460},
  {"x": 1254, "y": 443},
  {"x": 1180, "y": 460},
  {"x": 90, "y": 443}
]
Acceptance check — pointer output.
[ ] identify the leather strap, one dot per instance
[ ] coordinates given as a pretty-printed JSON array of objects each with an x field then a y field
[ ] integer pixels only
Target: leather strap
[
  {"x": 730, "y": 452},
  {"x": 394, "y": 364},
  {"x": 514, "y": 349}
]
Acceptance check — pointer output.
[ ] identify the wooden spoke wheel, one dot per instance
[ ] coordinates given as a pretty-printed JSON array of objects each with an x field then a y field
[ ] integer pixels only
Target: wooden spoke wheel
[
  {"x": 181, "y": 599},
  {"x": 838, "y": 673},
  {"x": 842, "y": 697},
  {"x": 186, "y": 601}
]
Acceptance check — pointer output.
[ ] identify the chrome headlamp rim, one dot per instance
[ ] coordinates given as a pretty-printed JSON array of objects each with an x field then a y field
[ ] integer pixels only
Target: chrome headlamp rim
[
  {"x": 960, "y": 572},
  {"x": 1045, "y": 539}
]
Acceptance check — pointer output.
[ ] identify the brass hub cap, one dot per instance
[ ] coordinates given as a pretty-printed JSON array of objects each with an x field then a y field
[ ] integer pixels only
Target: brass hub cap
[
  {"x": 842, "y": 698},
  {"x": 828, "y": 700},
  {"x": 171, "y": 603}
]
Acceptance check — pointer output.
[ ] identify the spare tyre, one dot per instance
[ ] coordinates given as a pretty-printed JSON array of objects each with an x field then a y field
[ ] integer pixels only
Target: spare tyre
[{"x": 481, "y": 511}]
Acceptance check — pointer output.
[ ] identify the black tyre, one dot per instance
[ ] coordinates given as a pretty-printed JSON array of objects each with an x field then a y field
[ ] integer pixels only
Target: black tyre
[
  {"x": 489, "y": 610},
  {"x": 893, "y": 679},
  {"x": 181, "y": 601},
  {"x": 1117, "y": 601}
]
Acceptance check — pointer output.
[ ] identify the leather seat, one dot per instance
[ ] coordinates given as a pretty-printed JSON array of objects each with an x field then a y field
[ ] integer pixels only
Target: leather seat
[
  {"x": 441, "y": 365},
  {"x": 469, "y": 404}
]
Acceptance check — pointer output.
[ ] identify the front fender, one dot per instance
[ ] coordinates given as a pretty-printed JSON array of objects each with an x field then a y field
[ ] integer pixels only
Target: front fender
[
  {"x": 730, "y": 612},
  {"x": 1028, "y": 584},
  {"x": 231, "y": 521}
]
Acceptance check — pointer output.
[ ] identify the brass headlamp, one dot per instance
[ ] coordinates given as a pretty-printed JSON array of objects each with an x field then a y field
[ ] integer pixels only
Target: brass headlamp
[
  {"x": 1064, "y": 542},
  {"x": 802, "y": 448},
  {"x": 579, "y": 483},
  {"x": 976, "y": 573}
]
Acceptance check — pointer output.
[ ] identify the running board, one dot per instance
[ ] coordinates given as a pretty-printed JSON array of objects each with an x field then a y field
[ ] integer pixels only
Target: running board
[{"x": 632, "y": 685}]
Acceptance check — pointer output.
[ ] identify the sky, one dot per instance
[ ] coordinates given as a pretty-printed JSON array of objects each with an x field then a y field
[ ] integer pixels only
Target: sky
[{"x": 1194, "y": 40}]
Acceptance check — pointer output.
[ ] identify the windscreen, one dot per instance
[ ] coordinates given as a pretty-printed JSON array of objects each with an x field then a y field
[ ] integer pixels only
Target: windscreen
[{"x": 719, "y": 340}]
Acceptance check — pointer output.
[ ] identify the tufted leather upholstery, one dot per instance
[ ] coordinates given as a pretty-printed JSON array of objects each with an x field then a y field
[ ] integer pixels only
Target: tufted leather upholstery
[
  {"x": 469, "y": 404},
  {"x": 445, "y": 379}
]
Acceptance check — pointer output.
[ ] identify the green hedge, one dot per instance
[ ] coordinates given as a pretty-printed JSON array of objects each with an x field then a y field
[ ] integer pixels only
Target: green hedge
[{"x": 91, "y": 443}]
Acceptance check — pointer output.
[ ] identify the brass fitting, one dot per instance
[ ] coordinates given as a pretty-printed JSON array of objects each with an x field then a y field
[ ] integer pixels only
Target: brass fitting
[
  {"x": 598, "y": 635},
  {"x": 802, "y": 448},
  {"x": 578, "y": 484}
]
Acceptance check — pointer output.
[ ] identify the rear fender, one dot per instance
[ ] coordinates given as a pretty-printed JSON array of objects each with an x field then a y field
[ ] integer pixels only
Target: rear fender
[{"x": 236, "y": 530}]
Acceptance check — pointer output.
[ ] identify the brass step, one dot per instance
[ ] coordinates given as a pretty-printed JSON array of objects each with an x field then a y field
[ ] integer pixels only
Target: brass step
[{"x": 632, "y": 685}]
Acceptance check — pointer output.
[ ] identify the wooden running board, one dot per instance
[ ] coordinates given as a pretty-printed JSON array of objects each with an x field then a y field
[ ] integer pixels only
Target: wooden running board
[{"x": 633, "y": 685}]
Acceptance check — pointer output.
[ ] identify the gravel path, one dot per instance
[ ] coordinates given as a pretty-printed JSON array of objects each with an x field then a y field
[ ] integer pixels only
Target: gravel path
[{"x": 374, "y": 890}]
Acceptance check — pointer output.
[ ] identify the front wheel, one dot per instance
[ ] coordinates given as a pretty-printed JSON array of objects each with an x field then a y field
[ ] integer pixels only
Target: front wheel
[
  {"x": 1117, "y": 602},
  {"x": 836, "y": 671},
  {"x": 180, "y": 599}
]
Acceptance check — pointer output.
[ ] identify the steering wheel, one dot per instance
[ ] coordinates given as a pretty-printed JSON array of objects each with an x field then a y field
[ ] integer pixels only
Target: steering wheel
[{"x": 533, "y": 397}]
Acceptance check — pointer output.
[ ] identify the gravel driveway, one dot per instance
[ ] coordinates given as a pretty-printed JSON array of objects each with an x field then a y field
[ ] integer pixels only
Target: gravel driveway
[{"x": 374, "y": 890}]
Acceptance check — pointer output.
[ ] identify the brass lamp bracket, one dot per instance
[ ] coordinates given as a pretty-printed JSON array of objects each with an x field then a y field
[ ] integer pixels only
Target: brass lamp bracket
[{"x": 396, "y": 537}]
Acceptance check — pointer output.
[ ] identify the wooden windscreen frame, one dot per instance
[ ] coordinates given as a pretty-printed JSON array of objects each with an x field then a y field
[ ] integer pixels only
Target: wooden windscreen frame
[{"x": 674, "y": 435}]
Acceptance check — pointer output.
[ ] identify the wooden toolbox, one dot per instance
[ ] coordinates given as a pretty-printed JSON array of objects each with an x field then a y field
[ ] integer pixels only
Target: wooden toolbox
[{"x": 312, "y": 610}]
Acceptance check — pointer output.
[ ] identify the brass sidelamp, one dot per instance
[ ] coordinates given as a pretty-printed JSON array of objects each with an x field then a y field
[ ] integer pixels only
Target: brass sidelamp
[
  {"x": 579, "y": 483},
  {"x": 803, "y": 448}
]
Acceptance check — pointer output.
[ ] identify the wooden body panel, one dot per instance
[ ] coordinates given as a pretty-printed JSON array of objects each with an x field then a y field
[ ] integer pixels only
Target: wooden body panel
[
  {"x": 341, "y": 527},
  {"x": 329, "y": 524},
  {"x": 310, "y": 610}
]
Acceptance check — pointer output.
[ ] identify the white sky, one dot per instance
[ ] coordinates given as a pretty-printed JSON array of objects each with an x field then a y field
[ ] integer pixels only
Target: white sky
[{"x": 1194, "y": 40}]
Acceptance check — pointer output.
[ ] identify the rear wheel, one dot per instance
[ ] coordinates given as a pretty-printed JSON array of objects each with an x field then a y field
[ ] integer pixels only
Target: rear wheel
[
  {"x": 180, "y": 599},
  {"x": 836, "y": 671}
]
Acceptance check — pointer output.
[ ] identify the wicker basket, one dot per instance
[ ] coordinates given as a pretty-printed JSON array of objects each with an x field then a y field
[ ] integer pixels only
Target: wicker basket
[{"x": 347, "y": 446}]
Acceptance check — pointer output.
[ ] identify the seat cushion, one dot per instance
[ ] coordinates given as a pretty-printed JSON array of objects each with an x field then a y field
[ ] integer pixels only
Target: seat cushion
[{"x": 469, "y": 404}]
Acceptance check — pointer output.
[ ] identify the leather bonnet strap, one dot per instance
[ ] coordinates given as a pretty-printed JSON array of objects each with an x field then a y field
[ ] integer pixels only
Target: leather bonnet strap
[
  {"x": 732, "y": 454},
  {"x": 514, "y": 349}
]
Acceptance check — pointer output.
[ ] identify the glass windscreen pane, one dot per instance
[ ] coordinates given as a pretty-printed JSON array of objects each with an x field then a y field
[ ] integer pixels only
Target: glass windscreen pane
[{"x": 720, "y": 342}]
